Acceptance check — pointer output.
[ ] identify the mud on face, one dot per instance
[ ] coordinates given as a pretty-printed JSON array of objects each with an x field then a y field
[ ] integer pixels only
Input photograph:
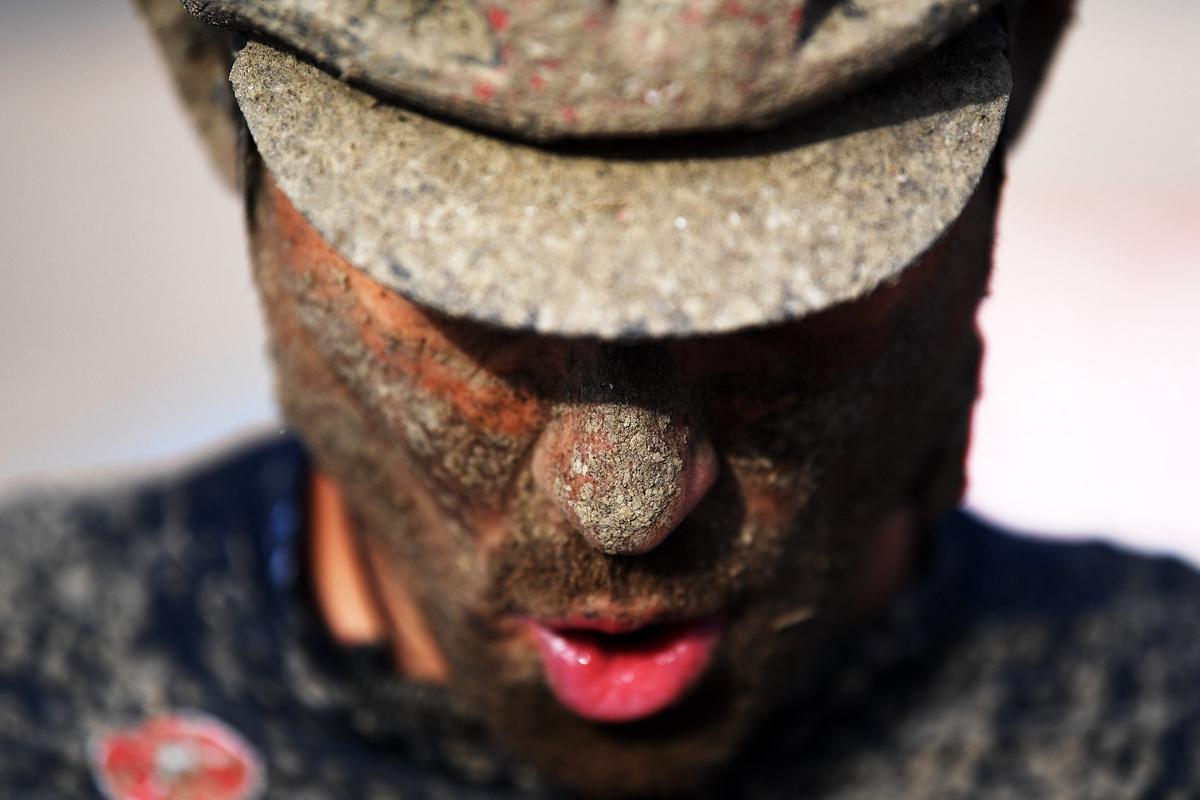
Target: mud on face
[{"x": 817, "y": 430}]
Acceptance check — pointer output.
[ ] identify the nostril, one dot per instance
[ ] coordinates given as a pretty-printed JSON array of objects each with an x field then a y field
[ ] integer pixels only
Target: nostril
[{"x": 624, "y": 476}]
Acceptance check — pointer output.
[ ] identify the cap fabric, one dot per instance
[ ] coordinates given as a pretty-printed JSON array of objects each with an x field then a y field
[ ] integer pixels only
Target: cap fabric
[
  {"x": 198, "y": 58},
  {"x": 629, "y": 239},
  {"x": 544, "y": 69}
]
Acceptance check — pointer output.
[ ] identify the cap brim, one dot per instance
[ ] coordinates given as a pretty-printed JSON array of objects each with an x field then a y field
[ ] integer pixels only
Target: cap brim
[{"x": 674, "y": 236}]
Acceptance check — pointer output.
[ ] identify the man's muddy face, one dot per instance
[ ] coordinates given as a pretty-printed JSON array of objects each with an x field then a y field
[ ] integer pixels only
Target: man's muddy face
[{"x": 630, "y": 553}]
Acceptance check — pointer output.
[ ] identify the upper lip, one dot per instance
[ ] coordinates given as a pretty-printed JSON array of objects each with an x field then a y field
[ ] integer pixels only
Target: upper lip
[{"x": 616, "y": 625}]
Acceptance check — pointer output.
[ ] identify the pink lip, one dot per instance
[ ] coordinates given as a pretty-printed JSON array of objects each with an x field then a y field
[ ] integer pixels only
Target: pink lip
[{"x": 607, "y": 671}]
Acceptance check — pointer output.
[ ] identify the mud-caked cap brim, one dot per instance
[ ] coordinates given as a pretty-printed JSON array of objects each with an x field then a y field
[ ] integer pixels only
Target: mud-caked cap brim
[{"x": 634, "y": 239}]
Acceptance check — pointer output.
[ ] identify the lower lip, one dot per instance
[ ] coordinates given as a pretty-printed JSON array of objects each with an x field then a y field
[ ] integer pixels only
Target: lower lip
[{"x": 625, "y": 677}]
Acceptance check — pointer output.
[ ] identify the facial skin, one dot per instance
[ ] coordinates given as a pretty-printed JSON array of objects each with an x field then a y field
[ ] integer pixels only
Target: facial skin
[{"x": 763, "y": 483}]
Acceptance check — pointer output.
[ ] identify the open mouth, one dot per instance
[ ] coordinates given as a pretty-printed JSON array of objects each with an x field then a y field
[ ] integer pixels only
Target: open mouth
[{"x": 607, "y": 675}]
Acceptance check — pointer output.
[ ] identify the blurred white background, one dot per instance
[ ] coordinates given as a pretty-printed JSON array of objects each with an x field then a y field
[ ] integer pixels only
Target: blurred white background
[
  {"x": 1090, "y": 419},
  {"x": 129, "y": 333}
]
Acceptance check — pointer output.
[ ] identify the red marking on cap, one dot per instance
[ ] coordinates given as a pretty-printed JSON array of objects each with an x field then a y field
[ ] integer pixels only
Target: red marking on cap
[
  {"x": 692, "y": 16},
  {"x": 761, "y": 20},
  {"x": 485, "y": 90},
  {"x": 568, "y": 114},
  {"x": 593, "y": 22},
  {"x": 796, "y": 18},
  {"x": 733, "y": 9},
  {"x": 537, "y": 83},
  {"x": 497, "y": 18},
  {"x": 176, "y": 757}
]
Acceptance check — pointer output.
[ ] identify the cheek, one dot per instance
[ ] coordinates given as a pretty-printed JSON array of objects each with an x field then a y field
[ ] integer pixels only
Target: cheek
[
  {"x": 413, "y": 350},
  {"x": 464, "y": 429},
  {"x": 468, "y": 432},
  {"x": 773, "y": 496}
]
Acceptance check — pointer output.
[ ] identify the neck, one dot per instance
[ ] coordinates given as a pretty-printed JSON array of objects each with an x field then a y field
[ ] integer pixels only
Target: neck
[{"x": 360, "y": 596}]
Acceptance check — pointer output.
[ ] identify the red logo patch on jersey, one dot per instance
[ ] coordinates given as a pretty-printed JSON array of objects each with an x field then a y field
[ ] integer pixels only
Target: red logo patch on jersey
[{"x": 185, "y": 756}]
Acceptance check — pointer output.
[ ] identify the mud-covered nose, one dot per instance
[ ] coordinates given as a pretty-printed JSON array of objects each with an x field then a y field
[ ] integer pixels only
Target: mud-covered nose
[{"x": 625, "y": 476}]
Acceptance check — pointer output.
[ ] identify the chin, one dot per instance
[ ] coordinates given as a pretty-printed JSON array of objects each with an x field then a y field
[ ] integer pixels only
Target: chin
[{"x": 753, "y": 670}]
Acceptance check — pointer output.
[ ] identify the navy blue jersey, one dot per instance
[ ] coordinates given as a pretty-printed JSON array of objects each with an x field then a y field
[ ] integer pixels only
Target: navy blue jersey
[{"x": 1013, "y": 668}]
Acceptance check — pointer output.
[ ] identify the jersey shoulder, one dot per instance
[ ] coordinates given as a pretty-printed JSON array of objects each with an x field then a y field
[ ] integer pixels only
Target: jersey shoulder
[
  {"x": 1019, "y": 668},
  {"x": 120, "y": 603}
]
